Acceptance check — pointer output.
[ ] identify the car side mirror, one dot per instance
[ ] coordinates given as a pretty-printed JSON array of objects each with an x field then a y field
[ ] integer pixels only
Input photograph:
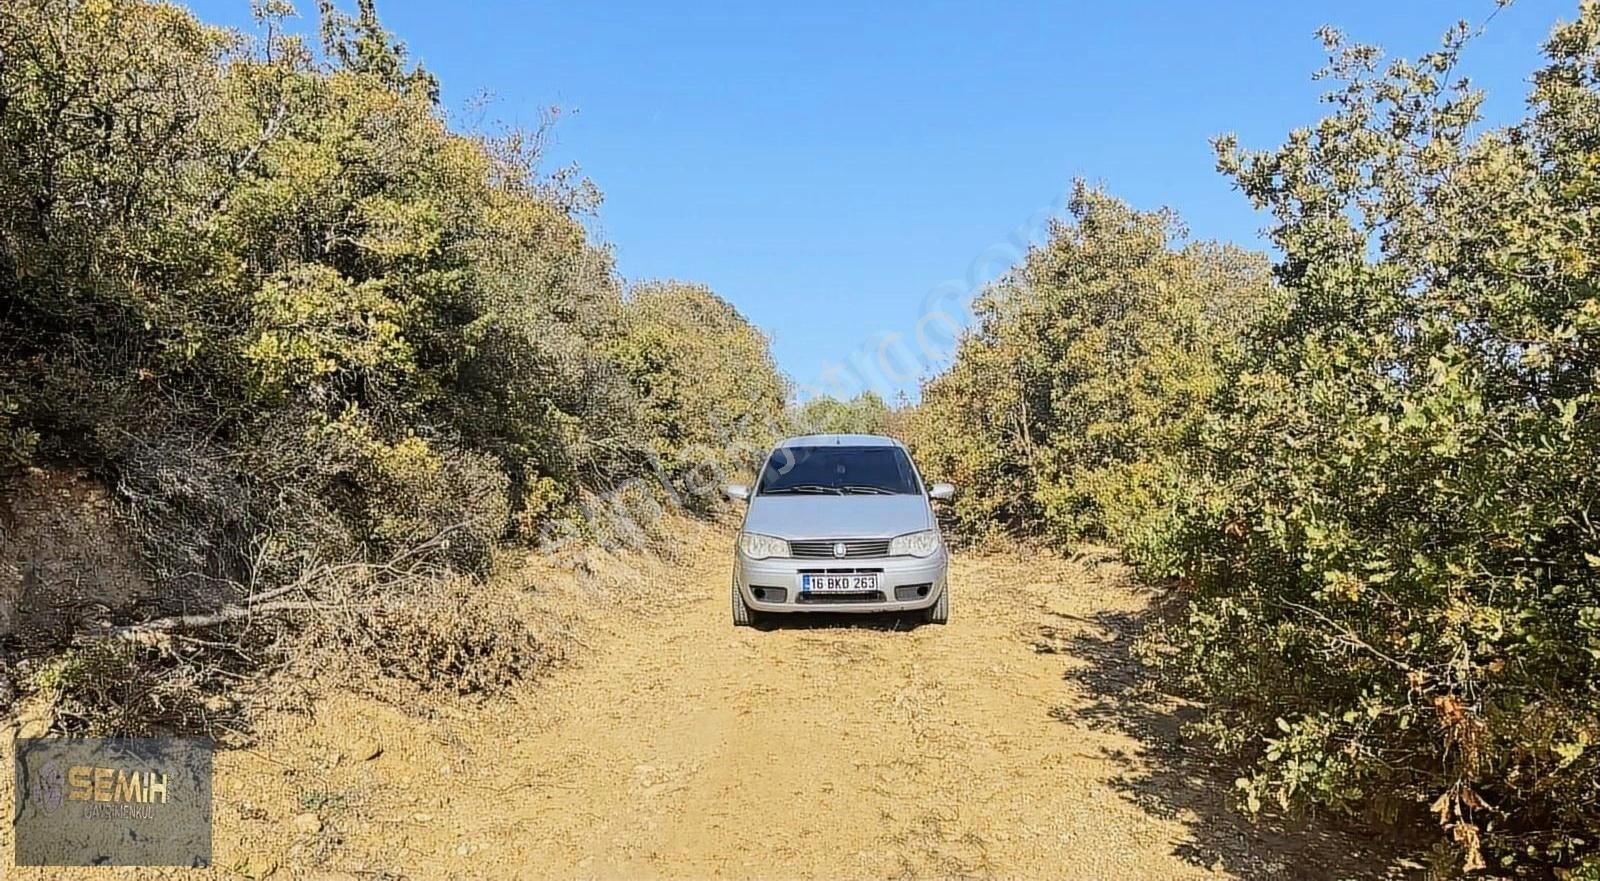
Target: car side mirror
[
  {"x": 737, "y": 491},
  {"x": 941, "y": 492}
]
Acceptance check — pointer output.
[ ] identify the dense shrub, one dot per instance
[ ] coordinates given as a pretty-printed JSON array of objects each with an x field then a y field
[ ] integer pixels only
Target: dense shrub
[
  {"x": 325, "y": 349},
  {"x": 1374, "y": 482},
  {"x": 866, "y": 413},
  {"x": 269, "y": 294},
  {"x": 711, "y": 399},
  {"x": 1396, "y": 589},
  {"x": 1092, "y": 360}
]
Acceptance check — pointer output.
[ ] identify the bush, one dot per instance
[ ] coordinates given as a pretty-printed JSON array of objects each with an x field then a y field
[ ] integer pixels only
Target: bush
[
  {"x": 296, "y": 320},
  {"x": 1095, "y": 358},
  {"x": 1371, "y": 482},
  {"x": 123, "y": 689},
  {"x": 1394, "y": 592},
  {"x": 710, "y": 395},
  {"x": 412, "y": 493},
  {"x": 866, "y": 413},
  {"x": 267, "y": 246}
]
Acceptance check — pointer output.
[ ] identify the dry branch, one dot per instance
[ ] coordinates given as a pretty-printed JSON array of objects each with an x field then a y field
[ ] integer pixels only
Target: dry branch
[{"x": 413, "y": 563}]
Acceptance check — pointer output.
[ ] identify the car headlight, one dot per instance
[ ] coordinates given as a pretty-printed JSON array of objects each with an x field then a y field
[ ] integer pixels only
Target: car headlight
[
  {"x": 915, "y": 544},
  {"x": 760, "y": 547}
]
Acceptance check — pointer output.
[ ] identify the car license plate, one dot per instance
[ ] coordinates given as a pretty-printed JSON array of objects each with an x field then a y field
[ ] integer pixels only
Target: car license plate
[{"x": 838, "y": 583}]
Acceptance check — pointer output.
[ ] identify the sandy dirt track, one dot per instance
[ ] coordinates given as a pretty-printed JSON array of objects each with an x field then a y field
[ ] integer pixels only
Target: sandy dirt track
[{"x": 1014, "y": 742}]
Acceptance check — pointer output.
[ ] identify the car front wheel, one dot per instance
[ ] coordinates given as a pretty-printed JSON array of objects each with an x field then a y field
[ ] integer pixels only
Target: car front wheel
[
  {"x": 939, "y": 612},
  {"x": 743, "y": 615}
]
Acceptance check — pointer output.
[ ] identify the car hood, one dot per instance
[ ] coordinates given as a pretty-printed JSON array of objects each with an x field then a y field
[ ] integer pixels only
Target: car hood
[{"x": 803, "y": 517}]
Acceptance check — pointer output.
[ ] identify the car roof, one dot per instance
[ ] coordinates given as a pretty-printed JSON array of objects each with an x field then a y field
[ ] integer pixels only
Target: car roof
[{"x": 840, "y": 440}]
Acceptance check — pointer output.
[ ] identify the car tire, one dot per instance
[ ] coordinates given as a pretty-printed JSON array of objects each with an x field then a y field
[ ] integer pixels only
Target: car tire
[
  {"x": 939, "y": 612},
  {"x": 743, "y": 615}
]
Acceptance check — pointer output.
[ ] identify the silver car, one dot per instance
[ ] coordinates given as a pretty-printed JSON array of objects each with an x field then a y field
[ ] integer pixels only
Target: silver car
[{"x": 839, "y": 523}]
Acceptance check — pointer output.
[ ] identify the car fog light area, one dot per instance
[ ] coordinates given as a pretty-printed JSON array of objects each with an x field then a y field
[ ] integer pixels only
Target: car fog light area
[
  {"x": 760, "y": 547},
  {"x": 915, "y": 544},
  {"x": 907, "y": 592}
]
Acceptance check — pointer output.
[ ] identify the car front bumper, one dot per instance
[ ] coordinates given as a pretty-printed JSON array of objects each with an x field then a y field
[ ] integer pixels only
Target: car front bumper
[{"x": 904, "y": 583}]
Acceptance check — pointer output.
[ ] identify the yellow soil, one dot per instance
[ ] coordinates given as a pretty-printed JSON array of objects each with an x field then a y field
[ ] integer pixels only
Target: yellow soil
[{"x": 1014, "y": 742}]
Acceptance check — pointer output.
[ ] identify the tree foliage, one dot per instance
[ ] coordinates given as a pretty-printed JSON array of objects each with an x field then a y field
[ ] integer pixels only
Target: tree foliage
[
  {"x": 1404, "y": 535},
  {"x": 1090, "y": 364},
  {"x": 266, "y": 290},
  {"x": 866, "y": 413},
  {"x": 711, "y": 396},
  {"x": 1373, "y": 481}
]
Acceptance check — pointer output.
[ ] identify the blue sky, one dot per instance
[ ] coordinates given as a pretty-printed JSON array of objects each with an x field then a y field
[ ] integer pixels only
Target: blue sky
[{"x": 835, "y": 168}]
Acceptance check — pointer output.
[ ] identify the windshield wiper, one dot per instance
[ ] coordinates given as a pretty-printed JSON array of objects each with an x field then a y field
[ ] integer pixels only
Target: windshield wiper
[
  {"x": 804, "y": 488},
  {"x": 866, "y": 490}
]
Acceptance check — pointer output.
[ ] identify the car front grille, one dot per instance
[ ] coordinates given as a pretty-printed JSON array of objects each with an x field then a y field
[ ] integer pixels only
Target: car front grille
[
  {"x": 826, "y": 599},
  {"x": 823, "y": 549}
]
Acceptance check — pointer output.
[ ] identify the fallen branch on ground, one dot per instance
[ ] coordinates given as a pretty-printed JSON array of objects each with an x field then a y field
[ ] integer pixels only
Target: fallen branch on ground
[{"x": 267, "y": 602}]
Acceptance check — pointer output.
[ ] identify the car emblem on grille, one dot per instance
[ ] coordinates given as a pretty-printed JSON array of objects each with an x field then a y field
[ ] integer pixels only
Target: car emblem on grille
[{"x": 839, "y": 550}]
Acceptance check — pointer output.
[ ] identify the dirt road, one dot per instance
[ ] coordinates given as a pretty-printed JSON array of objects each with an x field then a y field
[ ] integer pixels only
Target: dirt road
[{"x": 1011, "y": 743}]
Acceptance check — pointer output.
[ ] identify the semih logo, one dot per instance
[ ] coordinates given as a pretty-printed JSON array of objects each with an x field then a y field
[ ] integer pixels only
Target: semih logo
[
  {"x": 120, "y": 785},
  {"x": 112, "y": 802}
]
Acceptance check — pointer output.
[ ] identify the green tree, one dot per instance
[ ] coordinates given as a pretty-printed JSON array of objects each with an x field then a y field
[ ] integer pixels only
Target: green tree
[
  {"x": 1395, "y": 588},
  {"x": 711, "y": 397},
  {"x": 1090, "y": 370},
  {"x": 283, "y": 274},
  {"x": 866, "y": 413}
]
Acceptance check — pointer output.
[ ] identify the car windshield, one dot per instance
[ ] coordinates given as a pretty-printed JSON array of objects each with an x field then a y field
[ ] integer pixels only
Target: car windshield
[{"x": 836, "y": 470}]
